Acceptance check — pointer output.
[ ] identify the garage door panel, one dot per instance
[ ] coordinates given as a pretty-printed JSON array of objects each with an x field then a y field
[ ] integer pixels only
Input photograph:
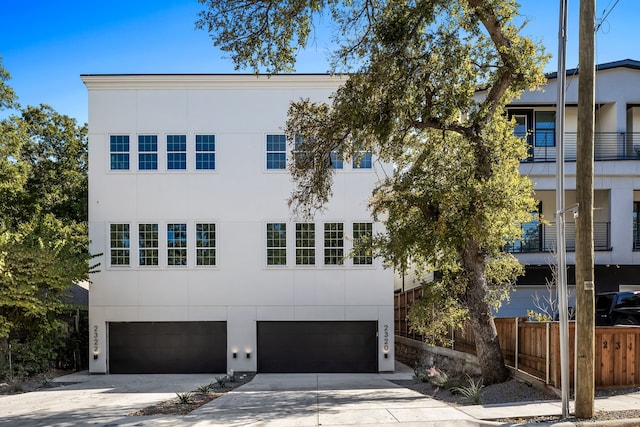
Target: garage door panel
[
  {"x": 167, "y": 347},
  {"x": 338, "y": 346}
]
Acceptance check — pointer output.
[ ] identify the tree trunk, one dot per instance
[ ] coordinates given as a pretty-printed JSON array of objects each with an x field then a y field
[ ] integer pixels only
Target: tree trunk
[{"x": 488, "y": 348}]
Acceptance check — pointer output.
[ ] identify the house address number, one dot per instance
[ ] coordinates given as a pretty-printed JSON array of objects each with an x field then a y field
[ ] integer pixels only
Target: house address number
[
  {"x": 95, "y": 339},
  {"x": 385, "y": 338}
]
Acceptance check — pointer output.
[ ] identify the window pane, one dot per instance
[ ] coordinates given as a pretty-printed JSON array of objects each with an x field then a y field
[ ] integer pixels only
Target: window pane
[
  {"x": 148, "y": 244},
  {"x": 119, "y": 243},
  {"x": 205, "y": 244},
  {"x": 276, "y": 152},
  {"x": 176, "y": 152},
  {"x": 305, "y": 244},
  {"x": 362, "y": 233},
  {"x": 205, "y": 152},
  {"x": 277, "y": 244},
  {"x": 333, "y": 243},
  {"x": 545, "y": 129},
  {"x": 177, "y": 244},
  {"x": 119, "y": 148},
  {"x": 362, "y": 160},
  {"x": 147, "y": 152}
]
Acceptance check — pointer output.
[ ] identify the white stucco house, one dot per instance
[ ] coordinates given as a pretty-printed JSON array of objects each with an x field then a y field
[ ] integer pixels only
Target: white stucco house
[
  {"x": 616, "y": 181},
  {"x": 203, "y": 267}
]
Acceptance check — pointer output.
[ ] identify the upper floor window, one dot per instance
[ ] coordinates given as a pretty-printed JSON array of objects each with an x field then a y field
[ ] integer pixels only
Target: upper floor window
[
  {"x": 276, "y": 152},
  {"x": 277, "y": 244},
  {"x": 362, "y": 160},
  {"x": 335, "y": 160},
  {"x": 334, "y": 243},
  {"x": 119, "y": 244},
  {"x": 148, "y": 244},
  {"x": 545, "y": 132},
  {"x": 205, "y": 152},
  {"x": 176, "y": 244},
  {"x": 205, "y": 244},
  {"x": 147, "y": 152},
  {"x": 176, "y": 152},
  {"x": 119, "y": 149},
  {"x": 362, "y": 234},
  {"x": 305, "y": 244}
]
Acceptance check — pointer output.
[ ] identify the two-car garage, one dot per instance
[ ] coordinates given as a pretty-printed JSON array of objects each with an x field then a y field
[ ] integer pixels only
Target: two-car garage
[{"x": 282, "y": 346}]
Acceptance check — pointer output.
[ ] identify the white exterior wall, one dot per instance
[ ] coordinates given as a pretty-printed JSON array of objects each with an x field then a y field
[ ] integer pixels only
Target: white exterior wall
[{"x": 240, "y": 197}]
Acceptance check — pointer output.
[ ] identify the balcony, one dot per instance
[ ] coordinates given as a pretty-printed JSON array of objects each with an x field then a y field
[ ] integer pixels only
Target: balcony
[
  {"x": 608, "y": 146},
  {"x": 542, "y": 238}
]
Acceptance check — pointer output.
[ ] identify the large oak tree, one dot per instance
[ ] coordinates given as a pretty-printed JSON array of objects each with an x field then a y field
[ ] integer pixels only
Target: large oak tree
[{"x": 411, "y": 97}]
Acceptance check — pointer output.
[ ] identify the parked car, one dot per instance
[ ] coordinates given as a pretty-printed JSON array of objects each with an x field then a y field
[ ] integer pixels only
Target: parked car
[{"x": 618, "y": 308}]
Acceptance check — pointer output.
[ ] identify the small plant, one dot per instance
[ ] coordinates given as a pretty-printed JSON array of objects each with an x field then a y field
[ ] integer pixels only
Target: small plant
[
  {"x": 222, "y": 381},
  {"x": 185, "y": 398},
  {"x": 231, "y": 375},
  {"x": 472, "y": 391},
  {"x": 205, "y": 388}
]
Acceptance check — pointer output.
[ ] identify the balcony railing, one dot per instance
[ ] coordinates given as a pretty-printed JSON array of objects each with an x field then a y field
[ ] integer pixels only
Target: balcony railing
[
  {"x": 608, "y": 146},
  {"x": 542, "y": 238}
]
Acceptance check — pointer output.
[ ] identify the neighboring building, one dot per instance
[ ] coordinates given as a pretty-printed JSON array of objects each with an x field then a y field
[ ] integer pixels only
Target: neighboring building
[
  {"x": 203, "y": 266},
  {"x": 616, "y": 212}
]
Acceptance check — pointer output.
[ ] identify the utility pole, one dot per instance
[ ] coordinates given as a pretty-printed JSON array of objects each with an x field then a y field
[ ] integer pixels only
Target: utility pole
[{"x": 585, "y": 311}]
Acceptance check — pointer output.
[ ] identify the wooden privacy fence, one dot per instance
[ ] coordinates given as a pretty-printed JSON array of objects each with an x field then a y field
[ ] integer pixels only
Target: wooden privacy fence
[{"x": 534, "y": 347}]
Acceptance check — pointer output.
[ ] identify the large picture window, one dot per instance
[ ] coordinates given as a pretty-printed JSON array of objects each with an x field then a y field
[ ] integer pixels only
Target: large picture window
[
  {"x": 148, "y": 244},
  {"x": 334, "y": 243},
  {"x": 176, "y": 244},
  {"x": 119, "y": 151},
  {"x": 362, "y": 160},
  {"x": 120, "y": 244},
  {"x": 277, "y": 244},
  {"x": 205, "y": 244}
]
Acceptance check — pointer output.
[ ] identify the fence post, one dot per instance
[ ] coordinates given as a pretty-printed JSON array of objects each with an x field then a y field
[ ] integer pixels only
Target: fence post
[
  {"x": 547, "y": 352},
  {"x": 515, "y": 353}
]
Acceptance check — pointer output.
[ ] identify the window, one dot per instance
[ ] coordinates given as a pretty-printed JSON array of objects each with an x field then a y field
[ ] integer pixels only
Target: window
[
  {"x": 119, "y": 147},
  {"x": 205, "y": 244},
  {"x": 276, "y": 152},
  {"x": 177, "y": 244},
  {"x": 277, "y": 244},
  {"x": 545, "y": 129},
  {"x": 362, "y": 160},
  {"x": 147, "y": 152},
  {"x": 334, "y": 243},
  {"x": 335, "y": 160},
  {"x": 362, "y": 251},
  {"x": 205, "y": 152},
  {"x": 305, "y": 244},
  {"x": 303, "y": 158},
  {"x": 531, "y": 240},
  {"x": 176, "y": 152},
  {"x": 119, "y": 243},
  {"x": 148, "y": 244}
]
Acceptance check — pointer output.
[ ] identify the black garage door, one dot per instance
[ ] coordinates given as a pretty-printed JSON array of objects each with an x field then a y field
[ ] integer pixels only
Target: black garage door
[
  {"x": 167, "y": 347},
  {"x": 317, "y": 347}
]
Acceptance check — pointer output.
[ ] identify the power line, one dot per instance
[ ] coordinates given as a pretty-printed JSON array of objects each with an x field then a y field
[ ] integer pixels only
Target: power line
[{"x": 605, "y": 14}]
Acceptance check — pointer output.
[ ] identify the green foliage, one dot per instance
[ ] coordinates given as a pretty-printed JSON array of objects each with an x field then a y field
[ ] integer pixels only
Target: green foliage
[
  {"x": 222, "y": 381},
  {"x": 205, "y": 388},
  {"x": 184, "y": 398},
  {"x": 43, "y": 230},
  {"x": 538, "y": 316},
  {"x": 456, "y": 195},
  {"x": 472, "y": 391}
]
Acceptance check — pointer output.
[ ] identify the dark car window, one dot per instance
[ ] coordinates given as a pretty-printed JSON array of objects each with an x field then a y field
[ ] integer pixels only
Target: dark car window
[
  {"x": 603, "y": 302},
  {"x": 629, "y": 301}
]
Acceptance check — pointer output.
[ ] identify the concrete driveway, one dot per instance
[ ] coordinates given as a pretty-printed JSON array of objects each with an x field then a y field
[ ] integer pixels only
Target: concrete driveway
[{"x": 270, "y": 399}]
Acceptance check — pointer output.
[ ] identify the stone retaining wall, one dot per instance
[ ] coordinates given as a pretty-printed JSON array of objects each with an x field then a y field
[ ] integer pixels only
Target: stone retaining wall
[{"x": 415, "y": 353}]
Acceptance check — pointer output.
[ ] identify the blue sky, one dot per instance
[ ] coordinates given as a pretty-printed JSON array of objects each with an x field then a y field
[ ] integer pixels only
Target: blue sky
[{"x": 46, "y": 45}]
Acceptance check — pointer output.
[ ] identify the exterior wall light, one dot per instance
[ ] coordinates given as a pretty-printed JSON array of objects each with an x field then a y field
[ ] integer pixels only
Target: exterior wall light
[
  {"x": 235, "y": 354},
  {"x": 248, "y": 355}
]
